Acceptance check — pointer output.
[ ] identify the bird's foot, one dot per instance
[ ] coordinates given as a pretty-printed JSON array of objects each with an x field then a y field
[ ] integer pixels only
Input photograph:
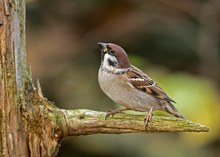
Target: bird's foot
[
  {"x": 113, "y": 112},
  {"x": 148, "y": 118}
]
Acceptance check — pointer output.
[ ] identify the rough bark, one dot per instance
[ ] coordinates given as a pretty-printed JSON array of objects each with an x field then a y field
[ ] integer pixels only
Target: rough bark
[
  {"x": 12, "y": 65},
  {"x": 30, "y": 125}
]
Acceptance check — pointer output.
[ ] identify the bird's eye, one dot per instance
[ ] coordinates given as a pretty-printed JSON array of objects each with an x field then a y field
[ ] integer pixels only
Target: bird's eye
[{"x": 111, "y": 52}]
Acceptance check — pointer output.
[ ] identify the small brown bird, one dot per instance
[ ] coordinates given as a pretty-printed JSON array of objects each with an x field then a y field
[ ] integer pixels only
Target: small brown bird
[{"x": 129, "y": 86}]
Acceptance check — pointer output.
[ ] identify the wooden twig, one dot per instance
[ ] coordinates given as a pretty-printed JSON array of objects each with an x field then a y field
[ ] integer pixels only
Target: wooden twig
[{"x": 87, "y": 122}]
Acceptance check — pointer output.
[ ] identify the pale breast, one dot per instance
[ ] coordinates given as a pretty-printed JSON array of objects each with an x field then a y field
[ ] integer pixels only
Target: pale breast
[{"x": 115, "y": 88}]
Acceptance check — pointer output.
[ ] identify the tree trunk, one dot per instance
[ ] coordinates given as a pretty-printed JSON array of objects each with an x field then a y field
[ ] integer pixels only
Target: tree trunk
[
  {"x": 30, "y": 125},
  {"x": 13, "y": 140}
]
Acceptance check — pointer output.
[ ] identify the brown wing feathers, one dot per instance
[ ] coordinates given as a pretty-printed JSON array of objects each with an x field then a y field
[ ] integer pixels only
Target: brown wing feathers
[{"x": 146, "y": 84}]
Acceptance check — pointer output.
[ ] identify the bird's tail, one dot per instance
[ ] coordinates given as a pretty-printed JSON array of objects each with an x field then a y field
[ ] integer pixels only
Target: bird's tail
[{"x": 169, "y": 108}]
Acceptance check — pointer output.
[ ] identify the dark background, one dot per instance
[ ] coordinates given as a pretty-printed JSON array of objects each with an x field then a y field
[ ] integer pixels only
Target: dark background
[{"x": 177, "y": 42}]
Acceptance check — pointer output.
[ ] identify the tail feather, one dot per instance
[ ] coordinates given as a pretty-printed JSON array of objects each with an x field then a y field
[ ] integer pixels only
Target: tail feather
[{"x": 169, "y": 108}]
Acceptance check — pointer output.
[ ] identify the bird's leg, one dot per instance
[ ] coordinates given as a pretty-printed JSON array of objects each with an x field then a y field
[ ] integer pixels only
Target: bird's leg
[
  {"x": 113, "y": 112},
  {"x": 148, "y": 118}
]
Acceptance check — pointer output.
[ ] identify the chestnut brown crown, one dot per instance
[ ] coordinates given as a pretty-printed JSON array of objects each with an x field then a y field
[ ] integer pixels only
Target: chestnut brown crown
[{"x": 116, "y": 51}]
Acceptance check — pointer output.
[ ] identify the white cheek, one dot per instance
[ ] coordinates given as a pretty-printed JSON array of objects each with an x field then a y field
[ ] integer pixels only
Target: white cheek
[
  {"x": 106, "y": 57},
  {"x": 105, "y": 65}
]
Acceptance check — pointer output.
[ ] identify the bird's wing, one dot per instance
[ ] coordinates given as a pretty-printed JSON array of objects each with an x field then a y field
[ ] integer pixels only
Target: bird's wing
[{"x": 143, "y": 82}]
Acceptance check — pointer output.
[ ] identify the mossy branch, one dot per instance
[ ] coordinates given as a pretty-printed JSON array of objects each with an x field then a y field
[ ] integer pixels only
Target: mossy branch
[
  {"x": 47, "y": 125},
  {"x": 87, "y": 122}
]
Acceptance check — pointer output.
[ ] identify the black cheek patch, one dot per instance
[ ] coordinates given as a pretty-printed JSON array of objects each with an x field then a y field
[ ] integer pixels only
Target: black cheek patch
[{"x": 111, "y": 63}]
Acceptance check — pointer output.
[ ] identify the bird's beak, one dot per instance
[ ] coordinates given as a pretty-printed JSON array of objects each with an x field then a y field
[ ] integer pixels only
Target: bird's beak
[{"x": 103, "y": 47}]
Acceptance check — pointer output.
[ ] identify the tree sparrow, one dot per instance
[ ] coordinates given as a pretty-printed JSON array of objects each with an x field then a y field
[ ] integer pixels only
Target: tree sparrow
[{"x": 129, "y": 86}]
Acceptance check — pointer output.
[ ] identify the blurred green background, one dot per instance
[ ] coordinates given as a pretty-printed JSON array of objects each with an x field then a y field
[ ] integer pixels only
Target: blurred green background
[{"x": 176, "y": 42}]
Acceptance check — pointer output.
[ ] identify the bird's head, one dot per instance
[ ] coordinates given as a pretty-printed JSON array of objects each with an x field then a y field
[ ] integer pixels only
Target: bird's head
[{"x": 113, "y": 56}]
